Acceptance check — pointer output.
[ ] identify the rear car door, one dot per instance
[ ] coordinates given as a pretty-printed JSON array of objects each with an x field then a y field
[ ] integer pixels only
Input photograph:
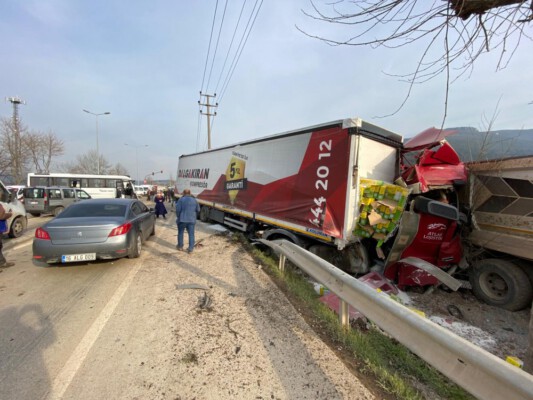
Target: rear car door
[{"x": 36, "y": 200}]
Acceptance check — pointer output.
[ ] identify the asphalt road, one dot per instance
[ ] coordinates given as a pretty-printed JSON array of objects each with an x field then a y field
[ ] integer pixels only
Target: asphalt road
[{"x": 132, "y": 329}]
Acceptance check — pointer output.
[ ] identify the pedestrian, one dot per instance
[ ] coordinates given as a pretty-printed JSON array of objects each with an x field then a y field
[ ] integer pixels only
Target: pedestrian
[
  {"x": 171, "y": 195},
  {"x": 128, "y": 192},
  {"x": 187, "y": 208},
  {"x": 160, "y": 208},
  {"x": 4, "y": 216}
]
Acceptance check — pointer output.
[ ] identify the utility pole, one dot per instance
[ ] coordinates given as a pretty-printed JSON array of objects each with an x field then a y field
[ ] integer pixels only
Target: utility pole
[
  {"x": 17, "y": 161},
  {"x": 208, "y": 114}
]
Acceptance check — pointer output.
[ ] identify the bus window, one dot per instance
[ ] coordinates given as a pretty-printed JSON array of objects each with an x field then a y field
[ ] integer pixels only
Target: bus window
[
  {"x": 111, "y": 183},
  {"x": 96, "y": 183},
  {"x": 39, "y": 181},
  {"x": 84, "y": 182},
  {"x": 74, "y": 183},
  {"x": 59, "y": 181}
]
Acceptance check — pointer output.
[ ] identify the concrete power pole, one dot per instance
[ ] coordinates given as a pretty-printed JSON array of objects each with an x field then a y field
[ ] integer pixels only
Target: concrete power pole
[
  {"x": 17, "y": 161},
  {"x": 208, "y": 114}
]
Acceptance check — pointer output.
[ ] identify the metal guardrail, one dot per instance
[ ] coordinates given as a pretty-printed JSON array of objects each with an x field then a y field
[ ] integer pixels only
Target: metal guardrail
[{"x": 477, "y": 371}]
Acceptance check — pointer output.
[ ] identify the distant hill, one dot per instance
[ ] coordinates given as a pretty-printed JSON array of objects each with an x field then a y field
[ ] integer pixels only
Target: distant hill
[{"x": 471, "y": 144}]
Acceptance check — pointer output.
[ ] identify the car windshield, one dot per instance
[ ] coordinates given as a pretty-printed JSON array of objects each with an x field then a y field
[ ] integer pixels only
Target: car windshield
[{"x": 93, "y": 210}]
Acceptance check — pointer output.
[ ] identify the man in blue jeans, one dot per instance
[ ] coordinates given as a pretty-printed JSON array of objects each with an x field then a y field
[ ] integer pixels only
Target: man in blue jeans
[{"x": 186, "y": 210}]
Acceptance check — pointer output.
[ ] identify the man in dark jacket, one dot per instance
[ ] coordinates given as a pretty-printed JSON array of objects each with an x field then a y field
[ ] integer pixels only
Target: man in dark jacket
[{"x": 187, "y": 208}]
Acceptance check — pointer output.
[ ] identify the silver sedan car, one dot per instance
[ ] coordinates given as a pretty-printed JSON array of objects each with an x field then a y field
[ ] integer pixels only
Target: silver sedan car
[{"x": 94, "y": 229}]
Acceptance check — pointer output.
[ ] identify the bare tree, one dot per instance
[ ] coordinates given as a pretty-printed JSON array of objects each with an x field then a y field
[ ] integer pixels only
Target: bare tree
[
  {"x": 15, "y": 154},
  {"x": 86, "y": 164},
  {"x": 42, "y": 147},
  {"x": 448, "y": 32},
  {"x": 118, "y": 169}
]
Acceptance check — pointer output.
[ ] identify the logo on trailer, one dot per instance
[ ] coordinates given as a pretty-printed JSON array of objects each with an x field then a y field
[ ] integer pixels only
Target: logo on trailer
[{"x": 235, "y": 179}]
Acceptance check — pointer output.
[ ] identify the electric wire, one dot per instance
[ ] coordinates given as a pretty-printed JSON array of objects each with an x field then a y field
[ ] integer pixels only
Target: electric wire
[
  {"x": 209, "y": 46},
  {"x": 230, "y": 46},
  {"x": 216, "y": 47},
  {"x": 224, "y": 88},
  {"x": 205, "y": 69}
]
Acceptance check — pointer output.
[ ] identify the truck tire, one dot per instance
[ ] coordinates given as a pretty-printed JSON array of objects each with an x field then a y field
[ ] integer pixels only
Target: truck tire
[
  {"x": 204, "y": 214},
  {"x": 501, "y": 283},
  {"x": 17, "y": 227},
  {"x": 58, "y": 210}
]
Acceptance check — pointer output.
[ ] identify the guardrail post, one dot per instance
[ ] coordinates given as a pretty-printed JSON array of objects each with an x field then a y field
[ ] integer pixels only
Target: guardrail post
[
  {"x": 344, "y": 314},
  {"x": 282, "y": 259}
]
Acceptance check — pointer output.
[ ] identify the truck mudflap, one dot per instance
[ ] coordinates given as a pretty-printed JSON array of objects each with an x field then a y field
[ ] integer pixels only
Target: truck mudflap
[{"x": 429, "y": 268}]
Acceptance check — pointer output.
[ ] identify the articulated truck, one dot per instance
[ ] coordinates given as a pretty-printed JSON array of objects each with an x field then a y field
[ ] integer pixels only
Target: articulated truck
[{"x": 348, "y": 191}]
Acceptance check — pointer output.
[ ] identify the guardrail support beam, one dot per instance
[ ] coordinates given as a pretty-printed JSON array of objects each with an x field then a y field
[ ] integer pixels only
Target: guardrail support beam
[
  {"x": 344, "y": 314},
  {"x": 282, "y": 259}
]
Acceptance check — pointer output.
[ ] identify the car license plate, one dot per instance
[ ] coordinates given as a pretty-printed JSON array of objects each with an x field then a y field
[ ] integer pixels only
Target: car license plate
[
  {"x": 34, "y": 202},
  {"x": 78, "y": 257}
]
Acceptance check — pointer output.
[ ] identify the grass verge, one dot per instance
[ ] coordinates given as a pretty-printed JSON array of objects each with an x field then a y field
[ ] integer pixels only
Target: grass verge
[{"x": 394, "y": 368}]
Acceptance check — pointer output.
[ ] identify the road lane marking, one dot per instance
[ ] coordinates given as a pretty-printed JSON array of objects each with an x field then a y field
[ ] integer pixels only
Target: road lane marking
[
  {"x": 20, "y": 246},
  {"x": 63, "y": 380}
]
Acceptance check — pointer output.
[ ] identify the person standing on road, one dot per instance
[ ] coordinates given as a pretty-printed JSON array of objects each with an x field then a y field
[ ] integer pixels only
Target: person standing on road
[
  {"x": 160, "y": 208},
  {"x": 187, "y": 208},
  {"x": 4, "y": 216},
  {"x": 128, "y": 192}
]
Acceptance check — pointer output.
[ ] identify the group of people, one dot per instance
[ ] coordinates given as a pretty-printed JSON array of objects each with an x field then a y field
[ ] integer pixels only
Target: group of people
[{"x": 187, "y": 208}]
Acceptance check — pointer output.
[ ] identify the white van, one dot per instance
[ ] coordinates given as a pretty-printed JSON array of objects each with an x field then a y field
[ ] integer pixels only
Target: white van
[{"x": 18, "y": 221}]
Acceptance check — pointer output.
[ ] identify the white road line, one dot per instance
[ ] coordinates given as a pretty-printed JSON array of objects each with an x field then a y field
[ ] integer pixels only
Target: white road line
[
  {"x": 20, "y": 246},
  {"x": 71, "y": 367}
]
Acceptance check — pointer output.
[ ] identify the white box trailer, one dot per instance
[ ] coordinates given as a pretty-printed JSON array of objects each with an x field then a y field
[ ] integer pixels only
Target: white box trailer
[{"x": 301, "y": 184}]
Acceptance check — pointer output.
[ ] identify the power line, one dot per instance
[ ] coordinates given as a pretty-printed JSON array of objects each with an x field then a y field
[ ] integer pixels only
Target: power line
[
  {"x": 216, "y": 46},
  {"x": 226, "y": 83},
  {"x": 230, "y": 46},
  {"x": 209, "y": 47}
]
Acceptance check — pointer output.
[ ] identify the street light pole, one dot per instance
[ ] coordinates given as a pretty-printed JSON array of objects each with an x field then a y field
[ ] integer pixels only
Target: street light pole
[
  {"x": 136, "y": 156},
  {"x": 97, "y": 148}
]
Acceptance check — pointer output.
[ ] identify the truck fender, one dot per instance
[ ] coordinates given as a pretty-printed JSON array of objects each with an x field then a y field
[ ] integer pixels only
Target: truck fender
[{"x": 272, "y": 234}]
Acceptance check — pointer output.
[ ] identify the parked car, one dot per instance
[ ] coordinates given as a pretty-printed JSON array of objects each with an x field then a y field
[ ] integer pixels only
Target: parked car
[
  {"x": 95, "y": 229},
  {"x": 51, "y": 200},
  {"x": 18, "y": 221},
  {"x": 17, "y": 191}
]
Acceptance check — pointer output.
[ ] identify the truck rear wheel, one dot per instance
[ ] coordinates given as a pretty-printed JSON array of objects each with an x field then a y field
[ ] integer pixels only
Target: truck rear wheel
[
  {"x": 204, "y": 214},
  {"x": 501, "y": 283}
]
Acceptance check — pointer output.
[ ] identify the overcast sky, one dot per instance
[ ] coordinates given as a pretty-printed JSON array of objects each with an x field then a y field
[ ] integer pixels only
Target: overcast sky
[{"x": 144, "y": 62}]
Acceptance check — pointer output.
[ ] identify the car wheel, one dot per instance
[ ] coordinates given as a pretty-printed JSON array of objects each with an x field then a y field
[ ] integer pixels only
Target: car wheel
[
  {"x": 137, "y": 247},
  {"x": 17, "y": 227},
  {"x": 58, "y": 210},
  {"x": 36, "y": 214},
  {"x": 501, "y": 283}
]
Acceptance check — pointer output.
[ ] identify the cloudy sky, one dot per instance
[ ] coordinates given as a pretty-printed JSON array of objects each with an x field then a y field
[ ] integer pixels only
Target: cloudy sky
[{"x": 145, "y": 62}]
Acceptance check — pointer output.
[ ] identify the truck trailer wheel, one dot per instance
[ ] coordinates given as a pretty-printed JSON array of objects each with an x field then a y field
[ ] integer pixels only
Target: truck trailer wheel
[
  {"x": 204, "y": 214},
  {"x": 501, "y": 283}
]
